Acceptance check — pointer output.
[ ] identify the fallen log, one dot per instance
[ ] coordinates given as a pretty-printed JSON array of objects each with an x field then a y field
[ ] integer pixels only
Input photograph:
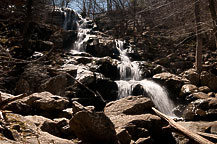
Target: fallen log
[
  {"x": 208, "y": 135},
  {"x": 191, "y": 135}
]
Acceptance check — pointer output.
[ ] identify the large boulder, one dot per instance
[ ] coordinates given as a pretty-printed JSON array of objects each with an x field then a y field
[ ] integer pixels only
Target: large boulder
[
  {"x": 39, "y": 102},
  {"x": 131, "y": 105},
  {"x": 141, "y": 126},
  {"x": 108, "y": 67},
  {"x": 131, "y": 117},
  {"x": 173, "y": 82},
  {"x": 201, "y": 109},
  {"x": 90, "y": 126},
  {"x": 94, "y": 84},
  {"x": 208, "y": 79},
  {"x": 55, "y": 85},
  {"x": 24, "y": 130},
  {"x": 107, "y": 88}
]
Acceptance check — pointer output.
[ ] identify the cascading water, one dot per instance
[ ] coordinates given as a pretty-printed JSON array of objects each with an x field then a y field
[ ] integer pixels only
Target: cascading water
[
  {"x": 129, "y": 72},
  {"x": 130, "y": 77}
]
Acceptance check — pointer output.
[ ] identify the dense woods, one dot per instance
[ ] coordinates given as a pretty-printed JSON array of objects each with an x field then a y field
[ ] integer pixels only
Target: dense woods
[{"x": 98, "y": 71}]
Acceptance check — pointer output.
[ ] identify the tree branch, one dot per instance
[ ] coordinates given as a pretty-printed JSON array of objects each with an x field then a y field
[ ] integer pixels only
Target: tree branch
[{"x": 191, "y": 135}]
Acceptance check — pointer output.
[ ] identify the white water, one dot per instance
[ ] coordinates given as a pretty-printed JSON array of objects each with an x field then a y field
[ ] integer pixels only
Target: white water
[
  {"x": 130, "y": 76},
  {"x": 129, "y": 72}
]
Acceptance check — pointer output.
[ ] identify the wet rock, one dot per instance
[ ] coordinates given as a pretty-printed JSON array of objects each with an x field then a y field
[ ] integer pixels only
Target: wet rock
[
  {"x": 201, "y": 109},
  {"x": 131, "y": 105},
  {"x": 98, "y": 84},
  {"x": 102, "y": 48},
  {"x": 107, "y": 88},
  {"x": 187, "y": 89},
  {"x": 208, "y": 79},
  {"x": 173, "y": 82},
  {"x": 192, "y": 76},
  {"x": 108, "y": 68},
  {"x": 138, "y": 90},
  {"x": 90, "y": 126},
  {"x": 32, "y": 77}
]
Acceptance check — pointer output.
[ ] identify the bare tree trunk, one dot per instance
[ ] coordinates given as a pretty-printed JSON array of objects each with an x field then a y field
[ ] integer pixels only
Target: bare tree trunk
[
  {"x": 214, "y": 18},
  {"x": 26, "y": 30},
  {"x": 199, "y": 37}
]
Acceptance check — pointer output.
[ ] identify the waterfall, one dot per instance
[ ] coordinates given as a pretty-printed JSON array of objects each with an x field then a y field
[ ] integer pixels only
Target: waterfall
[
  {"x": 129, "y": 72},
  {"x": 130, "y": 76}
]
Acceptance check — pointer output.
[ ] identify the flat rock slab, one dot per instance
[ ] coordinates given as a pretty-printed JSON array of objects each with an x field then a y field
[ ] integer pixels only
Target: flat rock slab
[{"x": 131, "y": 105}]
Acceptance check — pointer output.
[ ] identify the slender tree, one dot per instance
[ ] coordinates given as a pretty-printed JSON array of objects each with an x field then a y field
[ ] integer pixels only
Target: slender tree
[
  {"x": 214, "y": 18},
  {"x": 198, "y": 58}
]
